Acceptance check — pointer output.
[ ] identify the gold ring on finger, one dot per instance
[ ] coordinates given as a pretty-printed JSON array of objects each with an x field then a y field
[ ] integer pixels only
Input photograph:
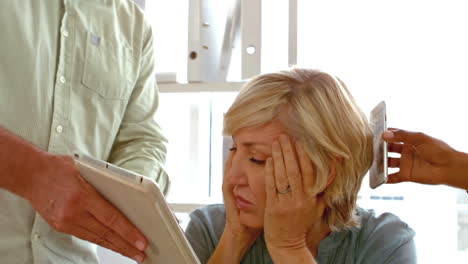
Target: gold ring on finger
[{"x": 285, "y": 191}]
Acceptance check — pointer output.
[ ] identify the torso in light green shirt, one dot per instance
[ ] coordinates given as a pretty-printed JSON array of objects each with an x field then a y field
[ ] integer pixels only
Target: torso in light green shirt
[{"x": 75, "y": 76}]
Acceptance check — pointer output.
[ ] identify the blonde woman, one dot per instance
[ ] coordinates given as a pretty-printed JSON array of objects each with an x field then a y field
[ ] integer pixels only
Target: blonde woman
[{"x": 301, "y": 149}]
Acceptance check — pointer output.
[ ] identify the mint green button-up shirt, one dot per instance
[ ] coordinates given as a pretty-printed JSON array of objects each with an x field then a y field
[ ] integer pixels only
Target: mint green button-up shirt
[{"x": 75, "y": 76}]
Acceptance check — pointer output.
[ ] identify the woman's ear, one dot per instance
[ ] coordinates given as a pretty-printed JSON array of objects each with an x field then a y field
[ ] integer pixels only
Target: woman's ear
[
  {"x": 331, "y": 175},
  {"x": 335, "y": 162},
  {"x": 330, "y": 178}
]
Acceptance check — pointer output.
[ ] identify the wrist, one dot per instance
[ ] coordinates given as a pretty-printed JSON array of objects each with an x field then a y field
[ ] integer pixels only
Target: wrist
[
  {"x": 281, "y": 250},
  {"x": 18, "y": 162},
  {"x": 239, "y": 243},
  {"x": 291, "y": 255},
  {"x": 34, "y": 167},
  {"x": 458, "y": 175},
  {"x": 231, "y": 248}
]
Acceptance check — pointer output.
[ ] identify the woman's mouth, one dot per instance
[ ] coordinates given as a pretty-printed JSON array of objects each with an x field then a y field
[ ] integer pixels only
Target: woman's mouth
[{"x": 242, "y": 203}]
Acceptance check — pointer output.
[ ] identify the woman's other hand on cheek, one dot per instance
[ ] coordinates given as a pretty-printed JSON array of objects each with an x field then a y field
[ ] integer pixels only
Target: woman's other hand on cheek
[{"x": 236, "y": 238}]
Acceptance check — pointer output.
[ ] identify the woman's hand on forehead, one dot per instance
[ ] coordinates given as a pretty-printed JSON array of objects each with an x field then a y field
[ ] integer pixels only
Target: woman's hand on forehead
[{"x": 290, "y": 212}]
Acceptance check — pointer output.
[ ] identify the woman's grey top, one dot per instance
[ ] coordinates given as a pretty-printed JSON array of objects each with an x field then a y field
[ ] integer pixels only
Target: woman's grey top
[{"x": 380, "y": 239}]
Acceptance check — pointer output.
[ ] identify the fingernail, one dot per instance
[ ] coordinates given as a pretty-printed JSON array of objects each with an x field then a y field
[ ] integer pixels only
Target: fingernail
[
  {"x": 138, "y": 258},
  {"x": 388, "y": 134},
  {"x": 140, "y": 245}
]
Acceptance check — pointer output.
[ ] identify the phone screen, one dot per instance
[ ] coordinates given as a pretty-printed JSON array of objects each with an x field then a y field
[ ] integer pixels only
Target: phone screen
[{"x": 379, "y": 172}]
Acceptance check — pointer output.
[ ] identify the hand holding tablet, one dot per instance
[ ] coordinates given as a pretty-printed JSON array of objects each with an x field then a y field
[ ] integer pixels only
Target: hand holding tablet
[{"x": 141, "y": 201}]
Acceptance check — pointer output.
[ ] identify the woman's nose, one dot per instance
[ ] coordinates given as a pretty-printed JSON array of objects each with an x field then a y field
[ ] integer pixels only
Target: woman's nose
[{"x": 236, "y": 175}]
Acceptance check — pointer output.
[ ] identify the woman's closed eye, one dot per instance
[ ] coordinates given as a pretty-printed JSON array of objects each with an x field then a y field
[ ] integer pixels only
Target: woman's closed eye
[
  {"x": 252, "y": 159},
  {"x": 257, "y": 161}
]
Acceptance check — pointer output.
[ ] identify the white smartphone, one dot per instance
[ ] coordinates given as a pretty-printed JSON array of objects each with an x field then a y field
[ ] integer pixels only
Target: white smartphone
[{"x": 378, "y": 173}]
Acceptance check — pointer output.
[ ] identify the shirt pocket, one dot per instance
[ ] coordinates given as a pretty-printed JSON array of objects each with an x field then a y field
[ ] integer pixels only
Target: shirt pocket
[{"x": 108, "y": 67}]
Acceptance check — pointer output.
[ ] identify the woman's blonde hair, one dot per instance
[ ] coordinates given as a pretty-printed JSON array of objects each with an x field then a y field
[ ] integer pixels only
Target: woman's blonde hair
[{"x": 320, "y": 113}]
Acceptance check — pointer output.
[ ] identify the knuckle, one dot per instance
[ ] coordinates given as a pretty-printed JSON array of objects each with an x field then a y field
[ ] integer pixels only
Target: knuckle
[
  {"x": 105, "y": 234},
  {"x": 59, "y": 225},
  {"x": 61, "y": 216},
  {"x": 130, "y": 234},
  {"x": 61, "y": 219},
  {"x": 310, "y": 192},
  {"x": 293, "y": 172},
  {"x": 271, "y": 185},
  {"x": 300, "y": 206},
  {"x": 419, "y": 134},
  {"x": 72, "y": 200},
  {"x": 287, "y": 155},
  {"x": 112, "y": 218},
  {"x": 101, "y": 241}
]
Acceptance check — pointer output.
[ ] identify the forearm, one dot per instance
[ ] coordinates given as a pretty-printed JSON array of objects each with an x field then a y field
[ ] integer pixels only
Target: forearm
[
  {"x": 458, "y": 176},
  {"x": 18, "y": 162},
  {"x": 230, "y": 250},
  {"x": 302, "y": 255}
]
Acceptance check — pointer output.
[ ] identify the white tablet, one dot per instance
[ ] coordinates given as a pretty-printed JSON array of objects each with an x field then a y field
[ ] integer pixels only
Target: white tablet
[
  {"x": 378, "y": 173},
  {"x": 140, "y": 199}
]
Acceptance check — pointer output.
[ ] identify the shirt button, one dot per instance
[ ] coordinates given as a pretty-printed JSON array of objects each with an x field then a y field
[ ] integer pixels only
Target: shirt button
[
  {"x": 62, "y": 80},
  {"x": 37, "y": 236},
  {"x": 65, "y": 33},
  {"x": 59, "y": 129}
]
